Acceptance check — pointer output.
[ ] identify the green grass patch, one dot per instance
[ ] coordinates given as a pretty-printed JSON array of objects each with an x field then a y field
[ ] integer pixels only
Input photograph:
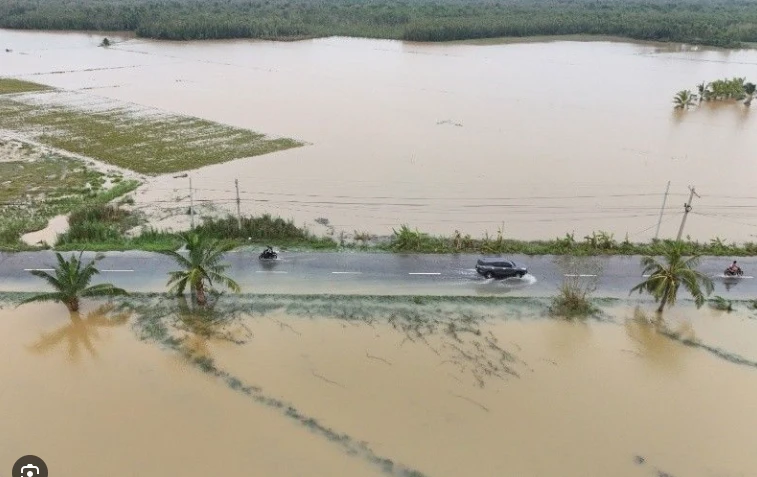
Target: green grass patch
[
  {"x": 103, "y": 228},
  {"x": 11, "y": 86},
  {"x": 136, "y": 138},
  {"x": 264, "y": 230},
  {"x": 86, "y": 237}
]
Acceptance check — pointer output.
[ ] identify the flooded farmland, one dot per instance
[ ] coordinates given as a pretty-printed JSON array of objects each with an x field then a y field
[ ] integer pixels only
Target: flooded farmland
[
  {"x": 539, "y": 138},
  {"x": 278, "y": 387}
]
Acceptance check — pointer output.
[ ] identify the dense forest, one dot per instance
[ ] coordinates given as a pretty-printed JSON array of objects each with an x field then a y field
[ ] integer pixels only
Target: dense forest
[{"x": 727, "y": 23}]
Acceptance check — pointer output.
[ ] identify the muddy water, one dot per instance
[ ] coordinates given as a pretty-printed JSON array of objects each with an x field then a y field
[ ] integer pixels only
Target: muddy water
[
  {"x": 544, "y": 137},
  {"x": 530, "y": 397},
  {"x": 588, "y": 399},
  {"x": 89, "y": 399}
]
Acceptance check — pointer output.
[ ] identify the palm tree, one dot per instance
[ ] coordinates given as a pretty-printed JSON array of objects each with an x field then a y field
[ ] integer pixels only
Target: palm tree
[
  {"x": 200, "y": 266},
  {"x": 749, "y": 89},
  {"x": 702, "y": 90},
  {"x": 683, "y": 99},
  {"x": 71, "y": 282},
  {"x": 665, "y": 278}
]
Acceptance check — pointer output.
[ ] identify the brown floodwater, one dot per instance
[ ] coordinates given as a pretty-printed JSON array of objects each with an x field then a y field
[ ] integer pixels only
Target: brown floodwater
[
  {"x": 528, "y": 397},
  {"x": 543, "y": 137}
]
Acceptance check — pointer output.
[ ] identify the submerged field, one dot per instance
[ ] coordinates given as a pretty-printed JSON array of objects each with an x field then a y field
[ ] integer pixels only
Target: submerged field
[
  {"x": 138, "y": 138},
  {"x": 37, "y": 185},
  {"x": 366, "y": 387}
]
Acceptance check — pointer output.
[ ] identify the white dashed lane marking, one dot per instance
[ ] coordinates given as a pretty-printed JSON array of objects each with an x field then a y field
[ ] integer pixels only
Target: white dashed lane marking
[{"x": 52, "y": 270}]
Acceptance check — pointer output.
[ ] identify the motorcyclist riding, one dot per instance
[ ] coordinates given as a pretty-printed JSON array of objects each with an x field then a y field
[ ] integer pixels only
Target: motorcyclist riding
[
  {"x": 734, "y": 269},
  {"x": 268, "y": 253}
]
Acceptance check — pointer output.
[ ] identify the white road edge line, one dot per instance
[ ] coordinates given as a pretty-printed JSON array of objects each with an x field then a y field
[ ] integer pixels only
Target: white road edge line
[
  {"x": 424, "y": 273},
  {"x": 347, "y": 273},
  {"x": 39, "y": 269}
]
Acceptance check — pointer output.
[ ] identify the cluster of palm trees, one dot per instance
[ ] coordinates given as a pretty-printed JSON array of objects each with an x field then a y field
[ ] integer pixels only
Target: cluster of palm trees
[
  {"x": 735, "y": 89},
  {"x": 202, "y": 267}
]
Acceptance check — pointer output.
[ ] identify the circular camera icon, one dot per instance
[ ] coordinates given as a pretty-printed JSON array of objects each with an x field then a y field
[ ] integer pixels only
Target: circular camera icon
[{"x": 29, "y": 466}]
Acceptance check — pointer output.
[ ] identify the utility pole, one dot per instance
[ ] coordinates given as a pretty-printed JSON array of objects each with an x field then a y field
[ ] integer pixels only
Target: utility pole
[
  {"x": 662, "y": 210},
  {"x": 191, "y": 204},
  {"x": 239, "y": 213},
  {"x": 686, "y": 210},
  {"x": 191, "y": 198}
]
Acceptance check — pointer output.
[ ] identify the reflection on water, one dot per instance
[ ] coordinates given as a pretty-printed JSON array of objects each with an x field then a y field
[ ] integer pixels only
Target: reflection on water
[
  {"x": 80, "y": 333},
  {"x": 651, "y": 340},
  {"x": 384, "y": 386}
]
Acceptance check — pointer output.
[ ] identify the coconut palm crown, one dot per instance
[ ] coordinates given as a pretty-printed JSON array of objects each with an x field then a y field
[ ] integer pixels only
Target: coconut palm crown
[{"x": 71, "y": 279}]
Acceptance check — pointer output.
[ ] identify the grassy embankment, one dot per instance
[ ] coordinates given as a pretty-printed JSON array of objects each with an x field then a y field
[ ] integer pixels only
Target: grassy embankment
[
  {"x": 285, "y": 234},
  {"x": 37, "y": 184},
  {"x": 720, "y": 23}
]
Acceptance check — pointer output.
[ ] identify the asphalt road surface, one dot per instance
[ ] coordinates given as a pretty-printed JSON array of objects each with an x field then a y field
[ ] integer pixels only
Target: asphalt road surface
[{"x": 378, "y": 273}]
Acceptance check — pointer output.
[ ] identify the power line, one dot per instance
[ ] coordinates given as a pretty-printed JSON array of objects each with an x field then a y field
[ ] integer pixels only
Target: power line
[
  {"x": 724, "y": 219},
  {"x": 655, "y": 225}
]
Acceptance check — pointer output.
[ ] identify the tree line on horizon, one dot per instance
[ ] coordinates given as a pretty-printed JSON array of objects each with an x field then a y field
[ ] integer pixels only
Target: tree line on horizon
[{"x": 720, "y": 23}]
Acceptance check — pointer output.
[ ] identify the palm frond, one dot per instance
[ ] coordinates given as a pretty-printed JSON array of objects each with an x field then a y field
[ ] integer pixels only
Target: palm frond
[
  {"x": 53, "y": 281},
  {"x": 103, "y": 289},
  {"x": 54, "y": 296}
]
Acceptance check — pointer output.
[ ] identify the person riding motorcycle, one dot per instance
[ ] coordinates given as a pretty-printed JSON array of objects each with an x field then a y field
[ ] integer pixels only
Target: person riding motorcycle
[
  {"x": 268, "y": 253},
  {"x": 734, "y": 269}
]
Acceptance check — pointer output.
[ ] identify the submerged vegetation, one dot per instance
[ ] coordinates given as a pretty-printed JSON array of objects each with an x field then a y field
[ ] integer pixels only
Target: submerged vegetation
[
  {"x": 141, "y": 139},
  {"x": 720, "y": 23},
  {"x": 36, "y": 186},
  {"x": 573, "y": 299},
  {"x": 13, "y": 86},
  {"x": 734, "y": 89}
]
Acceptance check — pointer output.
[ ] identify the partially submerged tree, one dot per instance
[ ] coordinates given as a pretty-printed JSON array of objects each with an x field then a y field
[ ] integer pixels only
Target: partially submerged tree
[
  {"x": 71, "y": 282},
  {"x": 749, "y": 89},
  {"x": 201, "y": 267},
  {"x": 666, "y": 277},
  {"x": 701, "y": 89},
  {"x": 683, "y": 99}
]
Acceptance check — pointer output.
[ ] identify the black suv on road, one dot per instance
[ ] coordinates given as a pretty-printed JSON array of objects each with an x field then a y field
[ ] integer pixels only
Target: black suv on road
[{"x": 499, "y": 268}]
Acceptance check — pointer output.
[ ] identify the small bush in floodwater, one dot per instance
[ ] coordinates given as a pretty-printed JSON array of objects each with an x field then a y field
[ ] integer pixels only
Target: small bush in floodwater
[
  {"x": 720, "y": 303},
  {"x": 572, "y": 301}
]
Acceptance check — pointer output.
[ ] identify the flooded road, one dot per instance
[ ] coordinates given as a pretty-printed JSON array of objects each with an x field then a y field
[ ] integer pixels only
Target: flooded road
[
  {"x": 443, "y": 390},
  {"x": 543, "y": 138}
]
